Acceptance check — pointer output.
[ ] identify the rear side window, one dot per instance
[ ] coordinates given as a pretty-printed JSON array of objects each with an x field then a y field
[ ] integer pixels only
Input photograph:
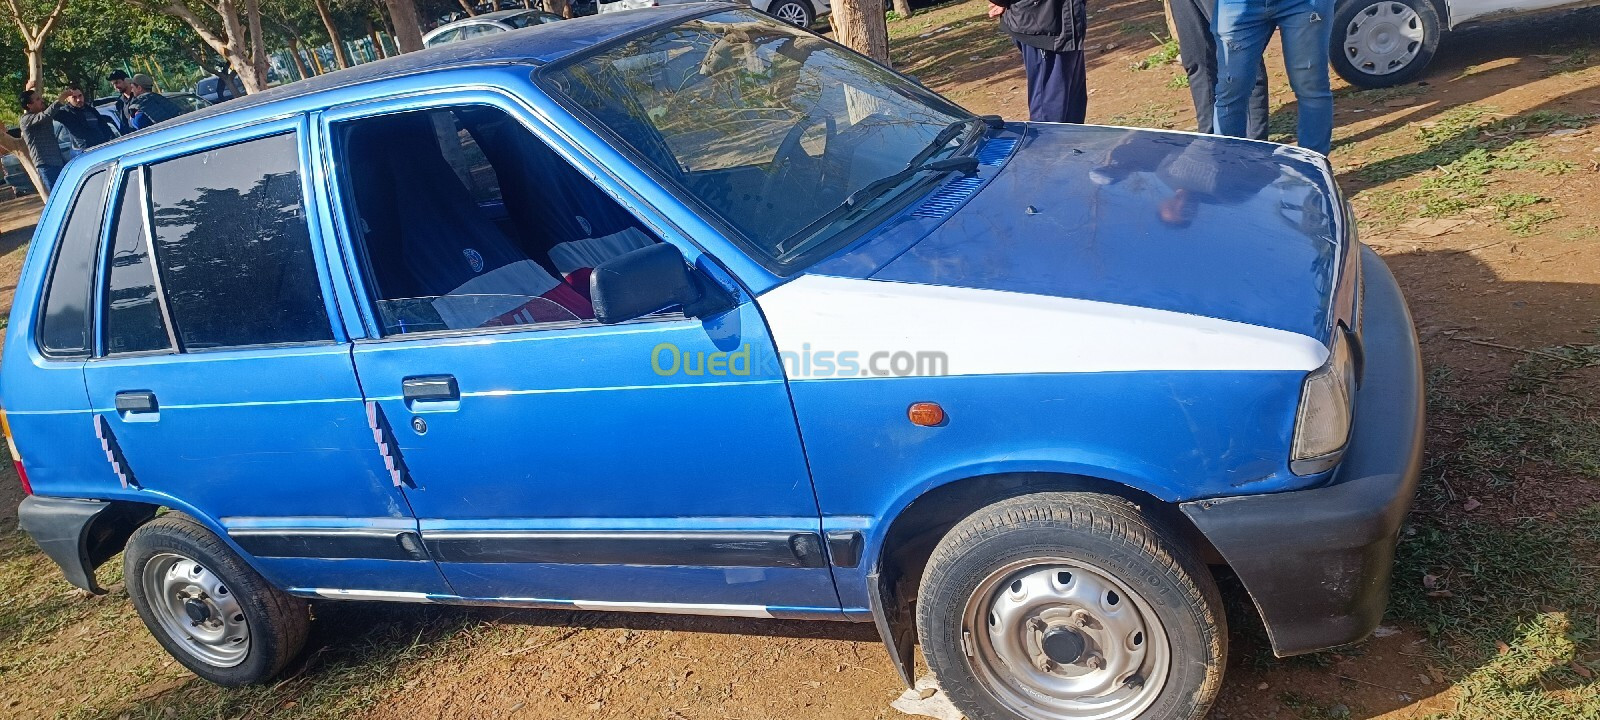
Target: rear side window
[
  {"x": 65, "y": 330},
  {"x": 133, "y": 316},
  {"x": 234, "y": 247}
]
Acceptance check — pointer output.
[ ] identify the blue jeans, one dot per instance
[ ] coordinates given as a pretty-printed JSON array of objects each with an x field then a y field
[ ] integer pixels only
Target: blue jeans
[{"x": 1243, "y": 28}]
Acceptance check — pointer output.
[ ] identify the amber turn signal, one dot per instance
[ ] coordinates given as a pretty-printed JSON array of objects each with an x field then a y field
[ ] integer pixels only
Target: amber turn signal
[{"x": 926, "y": 414}]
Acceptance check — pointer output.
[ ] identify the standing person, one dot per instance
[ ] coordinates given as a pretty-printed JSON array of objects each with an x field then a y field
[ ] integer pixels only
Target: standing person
[
  {"x": 119, "y": 80},
  {"x": 1049, "y": 33},
  {"x": 1243, "y": 28},
  {"x": 1197, "y": 50},
  {"x": 85, "y": 126},
  {"x": 38, "y": 130},
  {"x": 149, "y": 107}
]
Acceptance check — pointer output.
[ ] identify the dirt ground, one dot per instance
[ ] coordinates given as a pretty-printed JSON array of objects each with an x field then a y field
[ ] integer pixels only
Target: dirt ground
[{"x": 1477, "y": 184}]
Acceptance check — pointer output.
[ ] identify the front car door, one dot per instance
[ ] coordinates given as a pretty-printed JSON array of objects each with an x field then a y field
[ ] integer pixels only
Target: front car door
[
  {"x": 221, "y": 382},
  {"x": 650, "y": 465}
]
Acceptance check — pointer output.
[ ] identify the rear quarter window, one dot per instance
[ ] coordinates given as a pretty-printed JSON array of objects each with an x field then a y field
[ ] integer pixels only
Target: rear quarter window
[{"x": 65, "y": 328}]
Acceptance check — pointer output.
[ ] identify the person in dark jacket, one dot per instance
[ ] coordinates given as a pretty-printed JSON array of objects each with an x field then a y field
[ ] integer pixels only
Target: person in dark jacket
[
  {"x": 119, "y": 80},
  {"x": 1197, "y": 50},
  {"x": 86, "y": 127},
  {"x": 1050, "y": 35},
  {"x": 149, "y": 107}
]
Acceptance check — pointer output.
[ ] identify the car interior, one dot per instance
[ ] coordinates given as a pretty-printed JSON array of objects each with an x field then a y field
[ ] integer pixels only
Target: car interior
[{"x": 467, "y": 220}]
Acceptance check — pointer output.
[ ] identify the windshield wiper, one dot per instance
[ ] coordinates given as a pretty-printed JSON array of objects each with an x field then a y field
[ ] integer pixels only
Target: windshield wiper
[
  {"x": 966, "y": 164},
  {"x": 949, "y": 132}
]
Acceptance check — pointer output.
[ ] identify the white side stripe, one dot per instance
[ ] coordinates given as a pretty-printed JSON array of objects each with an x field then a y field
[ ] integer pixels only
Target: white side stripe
[
  {"x": 992, "y": 332},
  {"x": 755, "y": 611}
]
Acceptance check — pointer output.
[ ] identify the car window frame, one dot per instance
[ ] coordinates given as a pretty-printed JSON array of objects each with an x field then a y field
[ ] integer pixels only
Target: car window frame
[
  {"x": 543, "y": 77},
  {"x": 112, "y": 172},
  {"x": 137, "y": 164},
  {"x": 438, "y": 97}
]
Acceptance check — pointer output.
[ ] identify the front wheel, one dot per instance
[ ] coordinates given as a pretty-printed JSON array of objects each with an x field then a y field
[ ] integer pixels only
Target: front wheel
[
  {"x": 1383, "y": 43},
  {"x": 210, "y": 610},
  {"x": 1070, "y": 605},
  {"x": 795, "y": 12}
]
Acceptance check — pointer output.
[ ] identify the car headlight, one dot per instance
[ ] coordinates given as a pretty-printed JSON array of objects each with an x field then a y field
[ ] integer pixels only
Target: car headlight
[{"x": 1322, "y": 425}]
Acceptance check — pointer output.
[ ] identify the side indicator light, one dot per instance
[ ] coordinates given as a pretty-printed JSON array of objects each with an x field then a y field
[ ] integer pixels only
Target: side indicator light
[
  {"x": 16, "y": 457},
  {"x": 926, "y": 414}
]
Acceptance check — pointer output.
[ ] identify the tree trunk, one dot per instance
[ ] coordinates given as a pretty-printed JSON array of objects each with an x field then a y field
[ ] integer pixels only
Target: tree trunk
[
  {"x": 379, "y": 52},
  {"x": 334, "y": 38},
  {"x": 299, "y": 62},
  {"x": 467, "y": 6},
  {"x": 902, "y": 8},
  {"x": 860, "y": 26},
  {"x": 407, "y": 30},
  {"x": 35, "y": 67},
  {"x": 258, "y": 43},
  {"x": 559, "y": 7},
  {"x": 494, "y": 5}
]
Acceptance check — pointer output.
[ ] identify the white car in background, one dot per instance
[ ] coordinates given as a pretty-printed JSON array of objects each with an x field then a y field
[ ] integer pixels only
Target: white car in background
[
  {"x": 1382, "y": 43},
  {"x": 800, "y": 13}
]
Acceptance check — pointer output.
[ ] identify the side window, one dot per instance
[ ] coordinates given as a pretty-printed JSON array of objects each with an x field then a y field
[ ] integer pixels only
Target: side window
[
  {"x": 65, "y": 329},
  {"x": 234, "y": 248},
  {"x": 477, "y": 224},
  {"x": 133, "y": 321}
]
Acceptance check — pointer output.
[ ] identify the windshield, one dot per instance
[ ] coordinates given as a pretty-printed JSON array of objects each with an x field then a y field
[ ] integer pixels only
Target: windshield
[
  {"x": 768, "y": 126},
  {"x": 531, "y": 17}
]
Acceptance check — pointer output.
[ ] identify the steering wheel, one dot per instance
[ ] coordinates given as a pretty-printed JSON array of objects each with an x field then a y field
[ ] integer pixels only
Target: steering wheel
[{"x": 784, "y": 165}]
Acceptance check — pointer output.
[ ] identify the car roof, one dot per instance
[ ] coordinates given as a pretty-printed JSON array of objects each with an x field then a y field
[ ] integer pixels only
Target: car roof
[{"x": 537, "y": 45}]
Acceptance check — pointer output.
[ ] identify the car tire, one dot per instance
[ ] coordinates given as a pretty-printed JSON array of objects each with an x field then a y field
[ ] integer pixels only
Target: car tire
[
  {"x": 798, "y": 13},
  {"x": 1383, "y": 43},
  {"x": 210, "y": 610},
  {"x": 1069, "y": 604}
]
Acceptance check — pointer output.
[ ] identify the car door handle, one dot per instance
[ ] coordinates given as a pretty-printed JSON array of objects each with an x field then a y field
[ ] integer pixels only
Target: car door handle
[
  {"x": 135, "y": 401},
  {"x": 430, "y": 388}
]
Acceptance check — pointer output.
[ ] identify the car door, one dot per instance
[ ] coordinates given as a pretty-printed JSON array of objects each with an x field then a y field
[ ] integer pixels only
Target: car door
[
  {"x": 650, "y": 465},
  {"x": 219, "y": 380}
]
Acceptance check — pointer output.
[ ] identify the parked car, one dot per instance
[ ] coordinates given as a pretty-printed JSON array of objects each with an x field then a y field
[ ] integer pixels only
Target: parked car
[
  {"x": 687, "y": 310},
  {"x": 213, "y": 90},
  {"x": 1382, "y": 43},
  {"x": 799, "y": 13},
  {"x": 16, "y": 176},
  {"x": 487, "y": 24},
  {"x": 188, "y": 102}
]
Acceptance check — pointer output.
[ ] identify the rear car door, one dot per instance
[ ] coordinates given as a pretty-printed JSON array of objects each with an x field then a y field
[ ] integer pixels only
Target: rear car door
[
  {"x": 219, "y": 378},
  {"x": 649, "y": 465}
]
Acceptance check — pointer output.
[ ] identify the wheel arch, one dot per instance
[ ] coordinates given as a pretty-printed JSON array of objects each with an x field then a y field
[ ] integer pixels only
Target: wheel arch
[{"x": 902, "y": 554}]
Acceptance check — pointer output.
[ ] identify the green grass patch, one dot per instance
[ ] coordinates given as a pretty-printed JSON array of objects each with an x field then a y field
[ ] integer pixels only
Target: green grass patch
[
  {"x": 1510, "y": 606},
  {"x": 1163, "y": 55},
  {"x": 1178, "y": 80},
  {"x": 1152, "y": 115}
]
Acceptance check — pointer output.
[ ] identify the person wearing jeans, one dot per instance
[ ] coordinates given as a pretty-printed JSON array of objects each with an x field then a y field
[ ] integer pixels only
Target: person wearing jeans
[
  {"x": 1242, "y": 28},
  {"x": 1197, "y": 50}
]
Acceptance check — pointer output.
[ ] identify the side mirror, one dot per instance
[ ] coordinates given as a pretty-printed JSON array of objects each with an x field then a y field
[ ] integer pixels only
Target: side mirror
[{"x": 649, "y": 280}]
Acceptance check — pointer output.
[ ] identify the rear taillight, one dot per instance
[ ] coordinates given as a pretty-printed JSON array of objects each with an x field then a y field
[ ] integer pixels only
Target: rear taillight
[{"x": 16, "y": 457}]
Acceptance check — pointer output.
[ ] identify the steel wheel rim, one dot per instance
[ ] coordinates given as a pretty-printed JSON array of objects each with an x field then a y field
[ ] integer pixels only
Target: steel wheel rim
[
  {"x": 1384, "y": 38},
  {"x": 1023, "y": 621},
  {"x": 791, "y": 13},
  {"x": 195, "y": 608}
]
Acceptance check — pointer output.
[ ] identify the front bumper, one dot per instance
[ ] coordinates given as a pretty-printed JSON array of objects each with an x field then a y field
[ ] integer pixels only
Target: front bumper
[{"x": 1317, "y": 562}]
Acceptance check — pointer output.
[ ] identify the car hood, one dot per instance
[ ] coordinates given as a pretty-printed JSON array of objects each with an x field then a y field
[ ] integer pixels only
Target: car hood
[{"x": 1237, "y": 230}]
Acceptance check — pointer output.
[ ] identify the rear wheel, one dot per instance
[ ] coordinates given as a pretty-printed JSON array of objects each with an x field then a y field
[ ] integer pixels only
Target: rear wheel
[
  {"x": 210, "y": 610},
  {"x": 795, "y": 12},
  {"x": 1070, "y": 605},
  {"x": 1382, "y": 43}
]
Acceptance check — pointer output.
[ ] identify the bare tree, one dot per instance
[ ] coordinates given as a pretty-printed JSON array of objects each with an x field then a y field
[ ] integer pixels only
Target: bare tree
[
  {"x": 34, "y": 30},
  {"x": 334, "y": 38},
  {"x": 902, "y": 8},
  {"x": 222, "y": 25},
  {"x": 559, "y": 7},
  {"x": 467, "y": 6},
  {"x": 861, "y": 27},
  {"x": 407, "y": 29}
]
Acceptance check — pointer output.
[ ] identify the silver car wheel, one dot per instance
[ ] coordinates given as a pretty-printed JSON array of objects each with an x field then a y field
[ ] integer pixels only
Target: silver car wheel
[
  {"x": 1383, "y": 38},
  {"x": 1058, "y": 638},
  {"x": 194, "y": 608},
  {"x": 792, "y": 13}
]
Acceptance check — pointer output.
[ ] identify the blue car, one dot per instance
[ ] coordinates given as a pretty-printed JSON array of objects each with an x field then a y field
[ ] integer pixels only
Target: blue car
[{"x": 687, "y": 310}]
